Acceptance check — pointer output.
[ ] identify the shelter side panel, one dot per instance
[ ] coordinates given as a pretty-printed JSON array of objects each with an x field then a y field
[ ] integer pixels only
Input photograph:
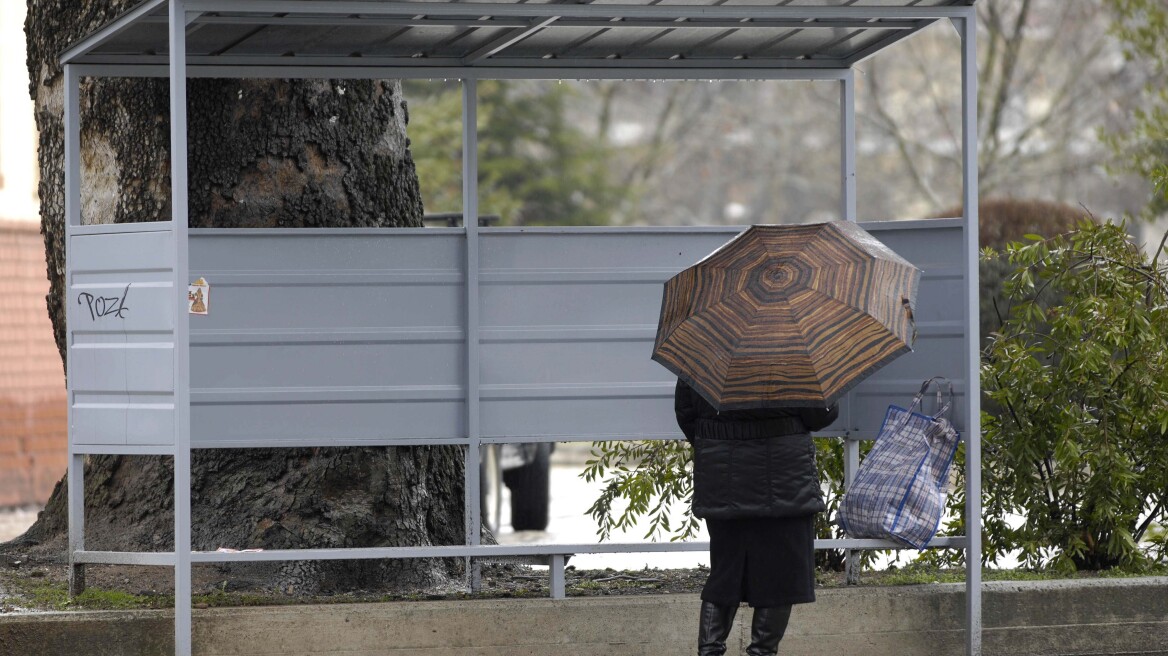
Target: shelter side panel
[
  {"x": 121, "y": 308},
  {"x": 935, "y": 247},
  {"x": 568, "y": 324},
  {"x": 322, "y": 338},
  {"x": 569, "y": 319}
]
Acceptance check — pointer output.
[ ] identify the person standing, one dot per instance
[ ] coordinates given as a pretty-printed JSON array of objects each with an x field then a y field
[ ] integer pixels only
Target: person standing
[{"x": 757, "y": 487}]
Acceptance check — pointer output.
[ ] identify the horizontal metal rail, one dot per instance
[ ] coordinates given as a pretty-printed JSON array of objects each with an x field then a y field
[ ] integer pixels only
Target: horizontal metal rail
[
  {"x": 513, "y": 550},
  {"x": 555, "y": 555},
  {"x": 160, "y": 558},
  {"x": 166, "y": 558},
  {"x": 123, "y": 449},
  {"x": 121, "y": 228},
  {"x": 603, "y": 11},
  {"x": 595, "y": 23},
  {"x": 337, "y": 68}
]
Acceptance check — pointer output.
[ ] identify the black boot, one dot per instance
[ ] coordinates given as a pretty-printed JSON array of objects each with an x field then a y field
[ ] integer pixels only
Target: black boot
[
  {"x": 714, "y": 628},
  {"x": 767, "y": 629}
]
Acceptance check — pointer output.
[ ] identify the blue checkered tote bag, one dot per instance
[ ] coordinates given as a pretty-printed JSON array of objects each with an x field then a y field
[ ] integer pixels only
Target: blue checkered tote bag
[{"x": 899, "y": 491}]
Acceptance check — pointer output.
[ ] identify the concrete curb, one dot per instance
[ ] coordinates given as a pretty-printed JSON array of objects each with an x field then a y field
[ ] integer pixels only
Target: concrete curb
[{"x": 1080, "y": 618}]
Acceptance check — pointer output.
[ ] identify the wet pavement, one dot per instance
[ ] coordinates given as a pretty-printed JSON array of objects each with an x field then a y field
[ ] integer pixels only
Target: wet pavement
[{"x": 569, "y": 523}]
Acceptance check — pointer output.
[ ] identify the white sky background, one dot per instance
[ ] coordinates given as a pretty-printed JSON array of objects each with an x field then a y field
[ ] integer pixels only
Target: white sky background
[{"x": 18, "y": 135}]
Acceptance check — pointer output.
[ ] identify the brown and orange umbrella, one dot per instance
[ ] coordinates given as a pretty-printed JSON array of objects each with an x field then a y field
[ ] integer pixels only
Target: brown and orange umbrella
[{"x": 787, "y": 315}]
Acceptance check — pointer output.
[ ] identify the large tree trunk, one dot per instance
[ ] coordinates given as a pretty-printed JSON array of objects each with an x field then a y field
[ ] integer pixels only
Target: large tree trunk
[{"x": 262, "y": 154}]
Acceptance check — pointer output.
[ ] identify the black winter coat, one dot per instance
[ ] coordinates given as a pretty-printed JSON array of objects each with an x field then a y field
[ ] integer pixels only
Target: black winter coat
[{"x": 752, "y": 463}]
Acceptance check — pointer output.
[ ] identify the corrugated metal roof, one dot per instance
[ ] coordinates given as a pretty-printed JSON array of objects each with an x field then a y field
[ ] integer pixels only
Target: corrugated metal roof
[{"x": 679, "y": 34}]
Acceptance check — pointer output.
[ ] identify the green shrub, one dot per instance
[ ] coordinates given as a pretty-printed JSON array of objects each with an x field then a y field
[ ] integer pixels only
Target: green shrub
[
  {"x": 652, "y": 477},
  {"x": 1079, "y": 446},
  {"x": 654, "y": 480}
]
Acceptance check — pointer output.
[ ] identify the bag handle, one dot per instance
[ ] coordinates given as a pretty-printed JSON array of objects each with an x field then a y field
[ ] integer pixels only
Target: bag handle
[
  {"x": 912, "y": 320},
  {"x": 944, "y": 405}
]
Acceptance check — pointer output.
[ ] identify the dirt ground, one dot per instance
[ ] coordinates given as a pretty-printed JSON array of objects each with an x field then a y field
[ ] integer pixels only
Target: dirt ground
[
  {"x": 29, "y": 581},
  {"x": 35, "y": 577},
  {"x": 33, "y": 580}
]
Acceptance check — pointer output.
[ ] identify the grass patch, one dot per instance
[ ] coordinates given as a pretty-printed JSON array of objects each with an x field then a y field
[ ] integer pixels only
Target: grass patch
[
  {"x": 919, "y": 576},
  {"x": 47, "y": 595}
]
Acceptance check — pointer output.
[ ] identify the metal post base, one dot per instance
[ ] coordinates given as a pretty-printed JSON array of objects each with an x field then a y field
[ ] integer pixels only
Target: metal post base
[
  {"x": 474, "y": 575},
  {"x": 852, "y": 567},
  {"x": 76, "y": 580},
  {"x": 556, "y": 576}
]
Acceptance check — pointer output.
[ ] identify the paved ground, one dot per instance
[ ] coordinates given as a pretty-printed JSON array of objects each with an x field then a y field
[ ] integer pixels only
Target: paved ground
[{"x": 569, "y": 522}]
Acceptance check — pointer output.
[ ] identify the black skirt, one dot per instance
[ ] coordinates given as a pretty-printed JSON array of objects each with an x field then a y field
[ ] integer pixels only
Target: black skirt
[{"x": 763, "y": 561}]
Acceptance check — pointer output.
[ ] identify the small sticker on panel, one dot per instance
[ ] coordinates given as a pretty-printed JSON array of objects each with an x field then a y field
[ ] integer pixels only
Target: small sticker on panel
[{"x": 199, "y": 297}]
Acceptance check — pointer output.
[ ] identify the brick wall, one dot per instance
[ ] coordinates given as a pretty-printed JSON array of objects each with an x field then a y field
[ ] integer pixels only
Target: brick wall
[{"x": 32, "y": 384}]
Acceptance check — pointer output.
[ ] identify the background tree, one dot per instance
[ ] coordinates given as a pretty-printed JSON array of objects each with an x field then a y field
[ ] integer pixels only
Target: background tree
[
  {"x": 262, "y": 154},
  {"x": 700, "y": 153},
  {"x": 1141, "y": 146},
  {"x": 537, "y": 164},
  {"x": 1050, "y": 76}
]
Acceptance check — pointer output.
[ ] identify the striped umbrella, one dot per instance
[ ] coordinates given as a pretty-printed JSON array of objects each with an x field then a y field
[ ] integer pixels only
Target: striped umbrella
[{"x": 787, "y": 315}]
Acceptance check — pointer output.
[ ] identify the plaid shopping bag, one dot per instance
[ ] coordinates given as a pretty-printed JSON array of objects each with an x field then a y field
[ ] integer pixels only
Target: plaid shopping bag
[{"x": 899, "y": 491}]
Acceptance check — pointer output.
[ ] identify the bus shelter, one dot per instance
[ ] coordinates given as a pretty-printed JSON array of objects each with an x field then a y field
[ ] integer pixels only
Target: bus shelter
[{"x": 470, "y": 362}]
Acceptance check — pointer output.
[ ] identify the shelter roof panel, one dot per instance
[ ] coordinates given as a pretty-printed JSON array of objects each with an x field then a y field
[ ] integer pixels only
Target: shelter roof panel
[
  {"x": 850, "y": 46},
  {"x": 774, "y": 33},
  {"x": 138, "y": 38},
  {"x": 217, "y": 41},
  {"x": 801, "y": 44},
  {"x": 432, "y": 41}
]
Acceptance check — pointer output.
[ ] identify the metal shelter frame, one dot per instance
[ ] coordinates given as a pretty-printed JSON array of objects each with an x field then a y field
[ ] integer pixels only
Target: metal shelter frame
[{"x": 498, "y": 40}]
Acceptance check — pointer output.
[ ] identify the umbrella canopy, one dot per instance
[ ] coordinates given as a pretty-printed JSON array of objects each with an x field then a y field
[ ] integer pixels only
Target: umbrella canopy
[{"x": 787, "y": 315}]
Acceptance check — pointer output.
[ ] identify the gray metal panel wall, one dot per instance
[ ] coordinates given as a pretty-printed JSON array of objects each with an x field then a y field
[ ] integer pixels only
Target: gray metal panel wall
[
  {"x": 120, "y": 308},
  {"x": 934, "y": 246},
  {"x": 568, "y": 322},
  {"x": 336, "y": 337},
  {"x": 569, "y": 318},
  {"x": 328, "y": 337}
]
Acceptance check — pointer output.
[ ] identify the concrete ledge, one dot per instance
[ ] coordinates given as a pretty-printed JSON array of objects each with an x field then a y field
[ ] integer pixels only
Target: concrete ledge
[{"x": 1080, "y": 618}]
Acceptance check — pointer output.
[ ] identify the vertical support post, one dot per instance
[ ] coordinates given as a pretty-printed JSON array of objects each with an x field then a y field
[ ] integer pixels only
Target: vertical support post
[
  {"x": 76, "y": 482},
  {"x": 72, "y": 149},
  {"x": 848, "y": 213},
  {"x": 851, "y": 466},
  {"x": 182, "y": 397},
  {"x": 848, "y": 146},
  {"x": 470, "y": 223},
  {"x": 967, "y": 26},
  {"x": 556, "y": 576},
  {"x": 76, "y": 502}
]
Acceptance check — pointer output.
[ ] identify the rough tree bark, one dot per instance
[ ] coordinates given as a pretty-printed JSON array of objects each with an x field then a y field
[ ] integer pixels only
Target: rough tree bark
[{"x": 262, "y": 154}]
